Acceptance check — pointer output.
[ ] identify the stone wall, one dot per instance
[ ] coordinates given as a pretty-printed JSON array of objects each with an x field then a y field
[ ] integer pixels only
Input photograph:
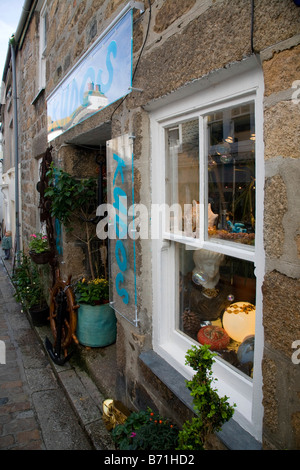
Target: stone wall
[
  {"x": 281, "y": 65},
  {"x": 32, "y": 128},
  {"x": 7, "y": 130}
]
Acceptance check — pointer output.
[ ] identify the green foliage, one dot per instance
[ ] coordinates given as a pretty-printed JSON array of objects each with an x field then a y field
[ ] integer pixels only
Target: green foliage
[
  {"x": 38, "y": 243},
  {"x": 95, "y": 291},
  {"x": 70, "y": 197},
  {"x": 73, "y": 200},
  {"x": 211, "y": 410},
  {"x": 27, "y": 282},
  {"x": 145, "y": 430}
]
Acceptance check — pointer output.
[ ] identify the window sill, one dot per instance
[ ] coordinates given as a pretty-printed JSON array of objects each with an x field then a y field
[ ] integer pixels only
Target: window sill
[
  {"x": 37, "y": 96},
  {"x": 233, "y": 436}
]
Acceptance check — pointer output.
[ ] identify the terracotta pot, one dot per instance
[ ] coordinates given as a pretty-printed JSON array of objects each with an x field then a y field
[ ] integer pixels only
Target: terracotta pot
[{"x": 40, "y": 258}]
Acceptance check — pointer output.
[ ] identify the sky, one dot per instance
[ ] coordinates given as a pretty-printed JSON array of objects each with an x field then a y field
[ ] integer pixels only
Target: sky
[{"x": 10, "y": 13}]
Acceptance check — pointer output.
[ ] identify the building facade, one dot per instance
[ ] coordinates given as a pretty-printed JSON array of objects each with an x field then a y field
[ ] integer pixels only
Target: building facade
[{"x": 195, "y": 106}]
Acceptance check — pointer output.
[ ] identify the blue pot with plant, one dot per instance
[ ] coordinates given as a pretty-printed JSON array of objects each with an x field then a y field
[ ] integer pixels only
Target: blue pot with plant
[{"x": 96, "y": 321}]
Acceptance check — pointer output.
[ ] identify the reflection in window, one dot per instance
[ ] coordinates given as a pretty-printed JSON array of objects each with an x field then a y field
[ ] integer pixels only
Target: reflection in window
[
  {"x": 228, "y": 179},
  {"x": 216, "y": 304},
  {"x": 231, "y": 174},
  {"x": 182, "y": 172}
]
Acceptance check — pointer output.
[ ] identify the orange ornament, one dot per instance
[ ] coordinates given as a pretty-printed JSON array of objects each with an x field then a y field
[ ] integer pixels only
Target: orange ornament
[{"x": 215, "y": 336}]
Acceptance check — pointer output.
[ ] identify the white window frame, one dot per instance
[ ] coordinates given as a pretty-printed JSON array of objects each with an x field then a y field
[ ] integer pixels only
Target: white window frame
[
  {"x": 240, "y": 83},
  {"x": 42, "y": 48}
]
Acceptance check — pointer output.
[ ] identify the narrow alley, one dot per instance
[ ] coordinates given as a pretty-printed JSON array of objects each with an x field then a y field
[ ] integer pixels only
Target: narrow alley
[{"x": 35, "y": 412}]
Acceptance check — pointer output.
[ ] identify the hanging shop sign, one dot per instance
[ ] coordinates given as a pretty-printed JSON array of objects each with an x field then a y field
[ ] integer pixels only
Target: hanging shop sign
[
  {"x": 102, "y": 76},
  {"x": 121, "y": 227}
]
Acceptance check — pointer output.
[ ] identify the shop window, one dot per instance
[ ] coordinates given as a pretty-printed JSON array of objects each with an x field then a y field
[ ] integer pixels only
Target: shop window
[
  {"x": 219, "y": 174},
  {"x": 209, "y": 262}
]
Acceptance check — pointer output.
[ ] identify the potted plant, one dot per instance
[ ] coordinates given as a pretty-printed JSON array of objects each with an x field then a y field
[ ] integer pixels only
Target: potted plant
[
  {"x": 39, "y": 250},
  {"x": 145, "y": 430},
  {"x": 96, "y": 321},
  {"x": 211, "y": 410},
  {"x": 29, "y": 290}
]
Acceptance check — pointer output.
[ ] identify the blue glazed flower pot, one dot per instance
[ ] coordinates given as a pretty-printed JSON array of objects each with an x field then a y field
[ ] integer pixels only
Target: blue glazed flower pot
[{"x": 96, "y": 325}]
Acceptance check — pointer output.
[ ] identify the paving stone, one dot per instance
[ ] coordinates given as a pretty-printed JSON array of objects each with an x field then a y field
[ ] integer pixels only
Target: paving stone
[
  {"x": 59, "y": 432},
  {"x": 82, "y": 401},
  {"x": 41, "y": 379}
]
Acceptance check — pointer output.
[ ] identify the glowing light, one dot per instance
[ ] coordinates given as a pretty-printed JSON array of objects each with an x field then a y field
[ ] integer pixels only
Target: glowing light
[{"x": 239, "y": 320}]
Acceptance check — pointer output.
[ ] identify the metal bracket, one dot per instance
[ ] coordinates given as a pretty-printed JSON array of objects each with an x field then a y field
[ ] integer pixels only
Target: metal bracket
[
  {"x": 135, "y": 89},
  {"x": 138, "y": 6}
]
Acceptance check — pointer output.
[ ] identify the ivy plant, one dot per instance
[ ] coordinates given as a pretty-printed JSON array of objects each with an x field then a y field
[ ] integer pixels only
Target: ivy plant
[
  {"x": 211, "y": 410},
  {"x": 73, "y": 199}
]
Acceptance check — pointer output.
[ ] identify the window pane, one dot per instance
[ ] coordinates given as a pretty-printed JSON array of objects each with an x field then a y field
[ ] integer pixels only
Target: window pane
[
  {"x": 231, "y": 174},
  {"x": 216, "y": 304},
  {"x": 182, "y": 173}
]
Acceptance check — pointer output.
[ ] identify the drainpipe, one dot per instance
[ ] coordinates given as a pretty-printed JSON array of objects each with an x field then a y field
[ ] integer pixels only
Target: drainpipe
[{"x": 15, "y": 109}]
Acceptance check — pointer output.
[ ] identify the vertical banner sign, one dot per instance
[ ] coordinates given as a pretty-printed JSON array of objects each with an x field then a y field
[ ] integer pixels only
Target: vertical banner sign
[
  {"x": 121, "y": 227},
  {"x": 101, "y": 77}
]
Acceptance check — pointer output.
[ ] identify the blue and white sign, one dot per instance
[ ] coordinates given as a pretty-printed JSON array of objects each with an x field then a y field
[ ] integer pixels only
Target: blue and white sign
[
  {"x": 103, "y": 76},
  {"x": 121, "y": 225}
]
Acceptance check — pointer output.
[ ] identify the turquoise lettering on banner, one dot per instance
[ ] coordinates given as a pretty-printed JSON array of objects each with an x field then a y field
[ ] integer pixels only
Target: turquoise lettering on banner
[
  {"x": 120, "y": 250},
  {"x": 119, "y": 169},
  {"x": 120, "y": 227},
  {"x": 111, "y": 50},
  {"x": 120, "y": 199},
  {"x": 118, "y": 202},
  {"x": 107, "y": 65},
  {"x": 121, "y": 291}
]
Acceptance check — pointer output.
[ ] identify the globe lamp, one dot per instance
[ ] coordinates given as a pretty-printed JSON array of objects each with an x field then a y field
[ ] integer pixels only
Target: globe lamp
[{"x": 239, "y": 320}]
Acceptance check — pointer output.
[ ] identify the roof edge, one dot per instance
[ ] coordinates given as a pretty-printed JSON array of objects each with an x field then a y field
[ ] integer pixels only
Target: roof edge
[{"x": 26, "y": 9}]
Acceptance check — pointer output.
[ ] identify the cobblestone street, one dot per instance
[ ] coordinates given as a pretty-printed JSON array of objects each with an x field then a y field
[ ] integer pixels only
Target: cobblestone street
[{"x": 34, "y": 411}]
